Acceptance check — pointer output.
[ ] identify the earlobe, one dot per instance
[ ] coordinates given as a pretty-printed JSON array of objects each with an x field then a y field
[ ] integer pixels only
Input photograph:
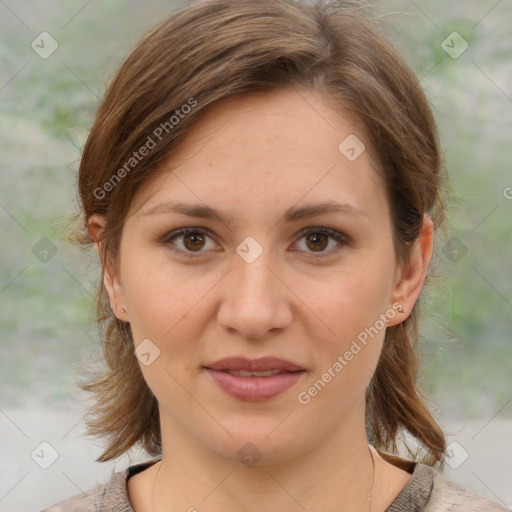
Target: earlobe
[
  {"x": 115, "y": 295},
  {"x": 111, "y": 282},
  {"x": 413, "y": 275}
]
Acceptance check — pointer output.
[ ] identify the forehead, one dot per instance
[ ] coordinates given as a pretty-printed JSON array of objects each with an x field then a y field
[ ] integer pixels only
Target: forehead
[{"x": 269, "y": 150}]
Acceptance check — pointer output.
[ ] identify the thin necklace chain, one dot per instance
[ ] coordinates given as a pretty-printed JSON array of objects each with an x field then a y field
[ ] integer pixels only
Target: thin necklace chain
[
  {"x": 369, "y": 493},
  {"x": 373, "y": 478},
  {"x": 153, "y": 488}
]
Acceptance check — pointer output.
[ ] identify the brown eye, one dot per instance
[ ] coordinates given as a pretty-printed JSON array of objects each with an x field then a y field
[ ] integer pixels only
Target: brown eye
[
  {"x": 322, "y": 241},
  {"x": 317, "y": 241},
  {"x": 189, "y": 241},
  {"x": 193, "y": 241}
]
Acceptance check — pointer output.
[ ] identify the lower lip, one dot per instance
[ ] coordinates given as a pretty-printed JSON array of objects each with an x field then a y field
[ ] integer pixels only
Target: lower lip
[{"x": 255, "y": 389}]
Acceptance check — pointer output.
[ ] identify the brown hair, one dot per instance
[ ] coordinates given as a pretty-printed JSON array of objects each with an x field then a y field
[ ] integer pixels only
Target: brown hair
[{"x": 204, "y": 54}]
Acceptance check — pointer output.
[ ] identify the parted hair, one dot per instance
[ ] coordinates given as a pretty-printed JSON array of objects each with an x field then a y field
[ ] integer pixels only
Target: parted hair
[{"x": 208, "y": 52}]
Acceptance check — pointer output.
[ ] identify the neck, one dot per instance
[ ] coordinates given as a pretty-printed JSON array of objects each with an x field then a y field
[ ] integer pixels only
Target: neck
[{"x": 336, "y": 475}]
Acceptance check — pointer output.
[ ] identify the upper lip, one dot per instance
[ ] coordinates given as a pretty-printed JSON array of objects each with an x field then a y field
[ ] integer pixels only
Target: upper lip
[{"x": 254, "y": 365}]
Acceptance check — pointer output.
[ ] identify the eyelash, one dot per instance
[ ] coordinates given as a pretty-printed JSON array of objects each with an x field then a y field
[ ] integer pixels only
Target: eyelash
[{"x": 341, "y": 238}]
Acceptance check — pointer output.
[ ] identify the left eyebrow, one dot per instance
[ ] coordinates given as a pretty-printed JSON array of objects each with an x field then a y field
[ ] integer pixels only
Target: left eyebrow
[
  {"x": 291, "y": 214},
  {"x": 313, "y": 210}
]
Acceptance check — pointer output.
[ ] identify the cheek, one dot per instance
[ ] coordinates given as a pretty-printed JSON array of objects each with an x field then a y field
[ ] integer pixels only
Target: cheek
[
  {"x": 352, "y": 300},
  {"x": 161, "y": 298},
  {"x": 168, "y": 308},
  {"x": 345, "y": 361},
  {"x": 171, "y": 308},
  {"x": 353, "y": 307}
]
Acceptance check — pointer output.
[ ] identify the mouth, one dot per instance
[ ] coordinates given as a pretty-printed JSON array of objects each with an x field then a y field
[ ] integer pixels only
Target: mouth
[{"x": 255, "y": 380}]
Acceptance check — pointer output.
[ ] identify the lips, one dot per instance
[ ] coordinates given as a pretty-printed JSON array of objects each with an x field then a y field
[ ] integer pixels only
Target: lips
[
  {"x": 263, "y": 364},
  {"x": 254, "y": 380}
]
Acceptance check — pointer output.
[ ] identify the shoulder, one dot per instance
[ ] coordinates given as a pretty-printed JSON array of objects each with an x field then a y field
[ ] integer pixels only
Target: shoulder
[
  {"x": 451, "y": 497},
  {"x": 106, "y": 497},
  {"x": 429, "y": 491},
  {"x": 89, "y": 501},
  {"x": 109, "y": 497}
]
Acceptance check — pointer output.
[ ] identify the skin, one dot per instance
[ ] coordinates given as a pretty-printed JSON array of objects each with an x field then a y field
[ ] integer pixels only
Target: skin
[{"x": 251, "y": 159}]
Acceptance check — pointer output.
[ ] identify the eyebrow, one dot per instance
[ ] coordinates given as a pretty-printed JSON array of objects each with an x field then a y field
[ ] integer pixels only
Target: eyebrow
[{"x": 292, "y": 214}]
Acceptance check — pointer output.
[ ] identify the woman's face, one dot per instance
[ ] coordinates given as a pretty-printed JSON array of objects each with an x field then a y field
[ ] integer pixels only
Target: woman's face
[{"x": 272, "y": 273}]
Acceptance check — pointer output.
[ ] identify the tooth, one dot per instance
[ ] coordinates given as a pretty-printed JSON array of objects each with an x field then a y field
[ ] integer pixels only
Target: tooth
[
  {"x": 245, "y": 373},
  {"x": 268, "y": 373}
]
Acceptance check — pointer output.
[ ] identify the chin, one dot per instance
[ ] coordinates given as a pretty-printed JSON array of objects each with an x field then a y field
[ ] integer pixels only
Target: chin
[{"x": 259, "y": 441}]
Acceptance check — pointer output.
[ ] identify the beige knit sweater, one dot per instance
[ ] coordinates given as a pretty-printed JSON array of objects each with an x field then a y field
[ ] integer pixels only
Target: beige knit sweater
[{"x": 426, "y": 491}]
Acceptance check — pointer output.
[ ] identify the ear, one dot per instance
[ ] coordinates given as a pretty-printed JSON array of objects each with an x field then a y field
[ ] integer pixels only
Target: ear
[
  {"x": 111, "y": 281},
  {"x": 411, "y": 277}
]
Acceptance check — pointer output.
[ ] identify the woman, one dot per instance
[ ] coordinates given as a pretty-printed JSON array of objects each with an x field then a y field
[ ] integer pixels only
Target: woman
[{"x": 262, "y": 185}]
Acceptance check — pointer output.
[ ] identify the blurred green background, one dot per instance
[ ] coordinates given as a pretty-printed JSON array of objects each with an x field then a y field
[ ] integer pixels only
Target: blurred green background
[{"x": 47, "y": 107}]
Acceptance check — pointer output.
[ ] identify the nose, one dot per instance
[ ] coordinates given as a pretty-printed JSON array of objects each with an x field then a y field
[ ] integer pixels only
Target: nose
[{"x": 255, "y": 302}]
